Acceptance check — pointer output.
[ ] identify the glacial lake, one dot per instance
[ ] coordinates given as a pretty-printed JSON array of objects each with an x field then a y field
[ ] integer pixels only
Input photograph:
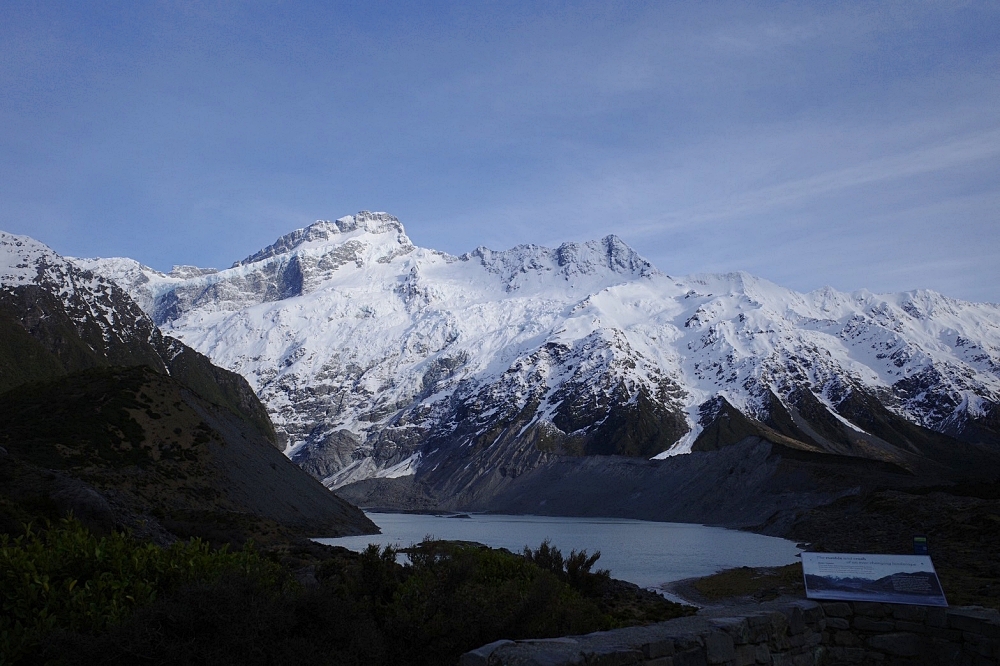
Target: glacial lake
[{"x": 642, "y": 552}]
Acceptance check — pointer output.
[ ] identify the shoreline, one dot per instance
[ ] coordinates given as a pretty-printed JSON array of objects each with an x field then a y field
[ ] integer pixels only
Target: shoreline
[{"x": 650, "y": 554}]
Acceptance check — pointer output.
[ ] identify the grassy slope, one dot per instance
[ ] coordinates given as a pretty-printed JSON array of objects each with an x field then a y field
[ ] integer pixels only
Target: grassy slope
[
  {"x": 160, "y": 453},
  {"x": 40, "y": 340},
  {"x": 126, "y": 427}
]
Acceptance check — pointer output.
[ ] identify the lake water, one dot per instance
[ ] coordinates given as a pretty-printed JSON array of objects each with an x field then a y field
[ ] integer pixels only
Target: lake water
[{"x": 642, "y": 552}]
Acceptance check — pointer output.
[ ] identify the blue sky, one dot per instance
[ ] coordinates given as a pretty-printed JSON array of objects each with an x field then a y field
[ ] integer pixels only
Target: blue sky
[{"x": 851, "y": 145}]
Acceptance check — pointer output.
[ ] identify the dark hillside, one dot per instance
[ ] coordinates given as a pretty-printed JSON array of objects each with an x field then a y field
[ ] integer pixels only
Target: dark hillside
[
  {"x": 103, "y": 415},
  {"x": 130, "y": 447},
  {"x": 42, "y": 337}
]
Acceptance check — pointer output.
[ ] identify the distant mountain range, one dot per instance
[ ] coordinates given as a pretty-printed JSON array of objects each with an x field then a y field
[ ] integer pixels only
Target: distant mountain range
[
  {"x": 899, "y": 583},
  {"x": 456, "y": 375},
  {"x": 102, "y": 414}
]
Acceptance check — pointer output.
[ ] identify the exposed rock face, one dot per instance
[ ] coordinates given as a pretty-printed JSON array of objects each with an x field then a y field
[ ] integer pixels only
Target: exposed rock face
[{"x": 378, "y": 359}]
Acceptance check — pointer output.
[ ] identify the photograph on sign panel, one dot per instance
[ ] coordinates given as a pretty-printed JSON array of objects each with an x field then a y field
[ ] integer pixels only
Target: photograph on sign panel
[{"x": 906, "y": 579}]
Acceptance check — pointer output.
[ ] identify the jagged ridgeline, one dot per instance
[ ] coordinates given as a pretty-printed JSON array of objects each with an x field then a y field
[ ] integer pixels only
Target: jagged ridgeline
[
  {"x": 398, "y": 375},
  {"x": 102, "y": 414}
]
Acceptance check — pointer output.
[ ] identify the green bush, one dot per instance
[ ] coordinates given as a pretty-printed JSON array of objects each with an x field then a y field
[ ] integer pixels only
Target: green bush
[
  {"x": 457, "y": 597},
  {"x": 575, "y": 569},
  {"x": 66, "y": 578},
  {"x": 72, "y": 598}
]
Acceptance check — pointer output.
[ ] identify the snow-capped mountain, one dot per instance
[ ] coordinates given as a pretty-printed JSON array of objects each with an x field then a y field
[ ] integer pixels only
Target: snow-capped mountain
[{"x": 377, "y": 358}]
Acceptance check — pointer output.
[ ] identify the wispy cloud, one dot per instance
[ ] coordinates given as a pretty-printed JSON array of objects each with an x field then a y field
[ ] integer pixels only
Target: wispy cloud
[
  {"x": 964, "y": 151},
  {"x": 711, "y": 135}
]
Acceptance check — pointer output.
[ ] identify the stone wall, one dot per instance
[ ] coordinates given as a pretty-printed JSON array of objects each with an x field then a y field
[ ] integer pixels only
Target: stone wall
[{"x": 795, "y": 633}]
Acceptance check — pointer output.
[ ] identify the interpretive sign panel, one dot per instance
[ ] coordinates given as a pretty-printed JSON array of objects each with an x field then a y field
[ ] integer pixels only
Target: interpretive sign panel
[{"x": 893, "y": 579}]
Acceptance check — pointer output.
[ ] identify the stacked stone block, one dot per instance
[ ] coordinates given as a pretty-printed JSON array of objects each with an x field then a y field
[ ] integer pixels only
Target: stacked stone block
[
  {"x": 861, "y": 633},
  {"x": 797, "y": 633}
]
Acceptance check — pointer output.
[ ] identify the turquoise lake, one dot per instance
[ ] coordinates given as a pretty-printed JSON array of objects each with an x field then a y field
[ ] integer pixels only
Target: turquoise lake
[{"x": 642, "y": 552}]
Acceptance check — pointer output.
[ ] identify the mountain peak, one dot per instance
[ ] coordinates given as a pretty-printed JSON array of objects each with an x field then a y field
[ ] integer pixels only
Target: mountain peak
[
  {"x": 374, "y": 223},
  {"x": 23, "y": 260},
  {"x": 323, "y": 231},
  {"x": 623, "y": 259},
  {"x": 372, "y": 353},
  {"x": 609, "y": 256},
  {"x": 183, "y": 271}
]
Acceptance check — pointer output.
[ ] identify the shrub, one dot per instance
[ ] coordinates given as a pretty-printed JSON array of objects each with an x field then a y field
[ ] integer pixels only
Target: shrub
[
  {"x": 66, "y": 578},
  {"x": 459, "y": 596},
  {"x": 575, "y": 570},
  {"x": 188, "y": 604}
]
